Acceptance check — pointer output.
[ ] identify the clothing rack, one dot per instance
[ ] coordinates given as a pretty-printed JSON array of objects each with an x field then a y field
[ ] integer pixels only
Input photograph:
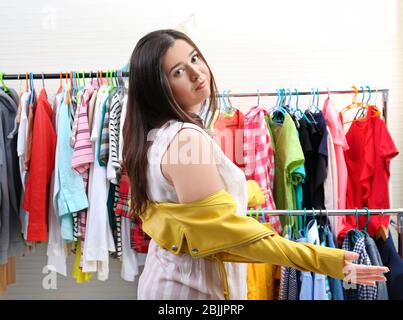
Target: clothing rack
[
  {"x": 344, "y": 212},
  {"x": 125, "y": 74},
  {"x": 120, "y": 73}
]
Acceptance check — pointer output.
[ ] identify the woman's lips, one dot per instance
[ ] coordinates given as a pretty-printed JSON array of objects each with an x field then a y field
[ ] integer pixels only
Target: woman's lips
[{"x": 201, "y": 85}]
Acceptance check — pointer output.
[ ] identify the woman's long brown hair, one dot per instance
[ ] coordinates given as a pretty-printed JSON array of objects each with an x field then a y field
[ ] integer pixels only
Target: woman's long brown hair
[{"x": 150, "y": 104}]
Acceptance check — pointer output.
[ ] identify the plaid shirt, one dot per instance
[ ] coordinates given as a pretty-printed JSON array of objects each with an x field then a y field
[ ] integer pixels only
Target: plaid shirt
[
  {"x": 259, "y": 156},
  {"x": 361, "y": 292},
  {"x": 122, "y": 205}
]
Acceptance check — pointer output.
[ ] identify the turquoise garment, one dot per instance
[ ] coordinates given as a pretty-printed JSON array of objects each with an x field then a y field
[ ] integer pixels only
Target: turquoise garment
[
  {"x": 71, "y": 196},
  {"x": 300, "y": 178}
]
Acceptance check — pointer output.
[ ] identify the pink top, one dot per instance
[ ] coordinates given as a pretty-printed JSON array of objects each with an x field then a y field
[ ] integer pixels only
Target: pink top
[{"x": 340, "y": 145}]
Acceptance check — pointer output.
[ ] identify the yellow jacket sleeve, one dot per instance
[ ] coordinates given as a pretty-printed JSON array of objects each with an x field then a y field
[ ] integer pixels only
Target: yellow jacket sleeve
[
  {"x": 277, "y": 250},
  {"x": 255, "y": 195}
]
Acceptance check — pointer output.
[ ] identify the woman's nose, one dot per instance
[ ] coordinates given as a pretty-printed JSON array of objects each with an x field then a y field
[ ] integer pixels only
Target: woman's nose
[{"x": 195, "y": 74}]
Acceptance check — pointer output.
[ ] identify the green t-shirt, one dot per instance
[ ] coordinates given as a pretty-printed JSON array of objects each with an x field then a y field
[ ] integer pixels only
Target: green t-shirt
[{"x": 288, "y": 159}]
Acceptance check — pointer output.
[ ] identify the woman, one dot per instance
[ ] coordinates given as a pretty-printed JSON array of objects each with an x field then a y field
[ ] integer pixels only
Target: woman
[{"x": 181, "y": 196}]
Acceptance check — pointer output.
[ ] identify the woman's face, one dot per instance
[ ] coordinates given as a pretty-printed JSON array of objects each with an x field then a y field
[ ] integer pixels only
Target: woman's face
[{"x": 188, "y": 75}]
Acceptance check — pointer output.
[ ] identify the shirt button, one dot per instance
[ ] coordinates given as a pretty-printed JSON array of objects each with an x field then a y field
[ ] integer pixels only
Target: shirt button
[
  {"x": 195, "y": 250},
  {"x": 174, "y": 248}
]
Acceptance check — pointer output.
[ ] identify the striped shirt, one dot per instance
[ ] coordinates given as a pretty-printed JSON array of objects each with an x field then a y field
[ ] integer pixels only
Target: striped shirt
[
  {"x": 114, "y": 129},
  {"x": 83, "y": 155}
]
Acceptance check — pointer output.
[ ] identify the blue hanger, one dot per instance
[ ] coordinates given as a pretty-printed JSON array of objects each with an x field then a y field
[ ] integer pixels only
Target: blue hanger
[
  {"x": 363, "y": 93},
  {"x": 312, "y": 99},
  {"x": 369, "y": 92},
  {"x": 317, "y": 100},
  {"x": 289, "y": 98},
  {"x": 264, "y": 216},
  {"x": 31, "y": 88},
  {"x": 279, "y": 111},
  {"x": 225, "y": 108},
  {"x": 278, "y": 98}
]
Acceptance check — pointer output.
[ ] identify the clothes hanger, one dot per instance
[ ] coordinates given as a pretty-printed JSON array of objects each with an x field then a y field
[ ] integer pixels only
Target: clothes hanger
[
  {"x": 5, "y": 88},
  {"x": 43, "y": 81},
  {"x": 263, "y": 216},
  {"x": 70, "y": 87},
  {"x": 356, "y": 234},
  {"x": 31, "y": 88},
  {"x": 317, "y": 100},
  {"x": 361, "y": 112},
  {"x": 83, "y": 77},
  {"x": 354, "y": 104},
  {"x": 312, "y": 101},
  {"x": 279, "y": 111},
  {"x": 382, "y": 232},
  {"x": 298, "y": 113},
  {"x": 224, "y": 107},
  {"x": 258, "y": 98},
  {"x": 61, "y": 84},
  {"x": 361, "y": 115},
  {"x": 364, "y": 231},
  {"x": 26, "y": 82},
  {"x": 231, "y": 110}
]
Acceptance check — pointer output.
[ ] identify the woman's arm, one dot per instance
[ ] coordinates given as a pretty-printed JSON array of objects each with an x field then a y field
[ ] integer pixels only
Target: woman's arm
[{"x": 190, "y": 166}]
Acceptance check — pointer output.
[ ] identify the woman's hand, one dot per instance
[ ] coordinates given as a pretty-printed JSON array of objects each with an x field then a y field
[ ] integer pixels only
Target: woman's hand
[{"x": 362, "y": 274}]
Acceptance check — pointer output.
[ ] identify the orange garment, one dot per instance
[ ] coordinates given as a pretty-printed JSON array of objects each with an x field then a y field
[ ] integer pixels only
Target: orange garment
[
  {"x": 28, "y": 143},
  {"x": 263, "y": 280},
  {"x": 42, "y": 163},
  {"x": 7, "y": 274}
]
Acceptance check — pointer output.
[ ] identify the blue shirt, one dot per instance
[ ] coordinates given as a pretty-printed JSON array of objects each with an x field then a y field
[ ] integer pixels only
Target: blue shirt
[{"x": 71, "y": 196}]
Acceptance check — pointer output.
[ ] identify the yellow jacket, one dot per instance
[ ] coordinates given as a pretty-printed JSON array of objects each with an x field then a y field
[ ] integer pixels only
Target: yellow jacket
[{"x": 210, "y": 228}]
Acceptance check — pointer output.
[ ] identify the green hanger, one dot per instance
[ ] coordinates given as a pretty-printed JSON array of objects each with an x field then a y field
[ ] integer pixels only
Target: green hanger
[
  {"x": 258, "y": 213},
  {"x": 356, "y": 234},
  {"x": 5, "y": 88},
  {"x": 366, "y": 223},
  {"x": 83, "y": 75}
]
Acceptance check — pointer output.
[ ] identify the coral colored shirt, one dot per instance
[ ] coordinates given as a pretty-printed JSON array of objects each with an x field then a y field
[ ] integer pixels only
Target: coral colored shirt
[
  {"x": 40, "y": 170},
  {"x": 230, "y": 130}
]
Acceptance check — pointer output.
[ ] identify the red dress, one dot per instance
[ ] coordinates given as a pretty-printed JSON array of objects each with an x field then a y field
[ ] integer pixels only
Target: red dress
[{"x": 368, "y": 163}]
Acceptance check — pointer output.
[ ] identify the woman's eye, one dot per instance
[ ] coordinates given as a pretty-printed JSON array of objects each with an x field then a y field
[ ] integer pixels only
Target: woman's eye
[
  {"x": 195, "y": 58},
  {"x": 178, "y": 72}
]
